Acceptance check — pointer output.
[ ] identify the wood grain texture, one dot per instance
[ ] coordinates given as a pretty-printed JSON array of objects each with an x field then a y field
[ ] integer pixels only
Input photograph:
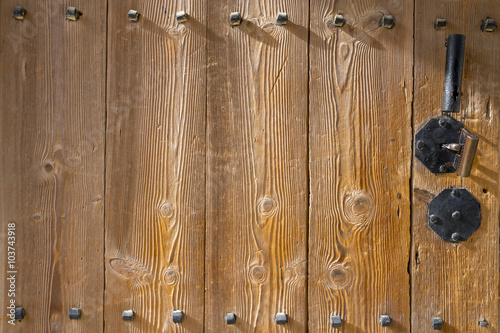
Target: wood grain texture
[
  {"x": 257, "y": 166},
  {"x": 155, "y": 187},
  {"x": 457, "y": 281},
  {"x": 52, "y": 109},
  {"x": 360, "y": 153}
]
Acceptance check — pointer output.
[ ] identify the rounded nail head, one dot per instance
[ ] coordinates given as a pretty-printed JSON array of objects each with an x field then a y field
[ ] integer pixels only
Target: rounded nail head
[
  {"x": 443, "y": 168},
  {"x": 385, "y": 320},
  {"x": 230, "y": 318},
  {"x": 434, "y": 219},
  {"x": 455, "y": 237},
  {"x": 282, "y": 19},
  {"x": 440, "y": 23},
  {"x": 181, "y": 16},
  {"x": 483, "y": 323},
  {"x": 75, "y": 313},
  {"x": 177, "y": 316},
  {"x": 437, "y": 323},
  {"x": 488, "y": 25},
  {"x": 19, "y": 313},
  {"x": 456, "y": 215},
  {"x": 442, "y": 123},
  {"x": 19, "y": 13},
  {"x": 72, "y": 14},
  {"x": 234, "y": 19},
  {"x": 133, "y": 15},
  {"x": 336, "y": 321},
  {"x": 281, "y": 318},
  {"x": 128, "y": 315},
  {"x": 420, "y": 145},
  {"x": 455, "y": 193},
  {"x": 388, "y": 21},
  {"x": 339, "y": 20}
]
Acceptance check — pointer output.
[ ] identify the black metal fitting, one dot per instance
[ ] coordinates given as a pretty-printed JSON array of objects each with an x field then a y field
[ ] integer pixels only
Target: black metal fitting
[
  {"x": 281, "y": 318},
  {"x": 339, "y": 20},
  {"x": 181, "y": 16},
  {"x": 388, "y": 21},
  {"x": 488, "y": 25},
  {"x": 19, "y": 313},
  {"x": 19, "y": 13},
  {"x": 234, "y": 19},
  {"x": 385, "y": 321},
  {"x": 452, "y": 91},
  {"x": 177, "y": 316},
  {"x": 133, "y": 15},
  {"x": 336, "y": 321},
  {"x": 128, "y": 315},
  {"x": 75, "y": 313},
  {"x": 282, "y": 19},
  {"x": 440, "y": 23},
  {"x": 230, "y": 318},
  {"x": 437, "y": 323},
  {"x": 73, "y": 14}
]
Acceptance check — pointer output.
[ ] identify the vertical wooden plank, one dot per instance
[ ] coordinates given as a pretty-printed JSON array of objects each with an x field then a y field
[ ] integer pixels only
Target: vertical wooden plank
[
  {"x": 457, "y": 282},
  {"x": 155, "y": 187},
  {"x": 257, "y": 166},
  {"x": 52, "y": 109},
  {"x": 360, "y": 155}
]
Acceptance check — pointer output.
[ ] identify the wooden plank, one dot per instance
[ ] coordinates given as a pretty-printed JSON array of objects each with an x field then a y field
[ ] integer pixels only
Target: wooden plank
[
  {"x": 360, "y": 154},
  {"x": 257, "y": 166},
  {"x": 52, "y": 116},
  {"x": 457, "y": 282},
  {"x": 155, "y": 187}
]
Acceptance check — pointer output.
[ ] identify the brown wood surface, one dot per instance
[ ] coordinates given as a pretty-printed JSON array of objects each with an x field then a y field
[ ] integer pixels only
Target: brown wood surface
[
  {"x": 52, "y": 109},
  {"x": 155, "y": 154},
  {"x": 360, "y": 136},
  {"x": 257, "y": 166},
  {"x": 457, "y": 281}
]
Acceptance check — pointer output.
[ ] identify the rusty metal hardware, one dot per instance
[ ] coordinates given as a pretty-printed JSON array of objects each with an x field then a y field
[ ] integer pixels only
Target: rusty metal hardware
[
  {"x": 230, "y": 318},
  {"x": 281, "y": 318},
  {"x": 488, "y": 25},
  {"x": 454, "y": 215},
  {"x": 452, "y": 90},
  {"x": 75, "y": 313},
  {"x": 437, "y": 323}
]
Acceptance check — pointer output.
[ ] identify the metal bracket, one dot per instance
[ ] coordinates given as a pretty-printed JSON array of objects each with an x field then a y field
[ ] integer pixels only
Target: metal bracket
[
  {"x": 443, "y": 145},
  {"x": 454, "y": 215}
]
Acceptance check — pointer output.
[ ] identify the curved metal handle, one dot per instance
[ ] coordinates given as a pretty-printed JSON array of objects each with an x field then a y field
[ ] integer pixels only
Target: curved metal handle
[{"x": 452, "y": 91}]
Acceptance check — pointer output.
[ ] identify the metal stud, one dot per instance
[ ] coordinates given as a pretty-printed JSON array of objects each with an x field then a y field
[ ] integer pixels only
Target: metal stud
[
  {"x": 128, "y": 315},
  {"x": 483, "y": 323},
  {"x": 455, "y": 237},
  {"x": 455, "y": 193},
  {"x": 388, "y": 21},
  {"x": 434, "y": 219},
  {"x": 230, "y": 318},
  {"x": 181, "y": 16},
  {"x": 19, "y": 313},
  {"x": 177, "y": 316},
  {"x": 281, "y": 318},
  {"x": 443, "y": 168},
  {"x": 234, "y": 19},
  {"x": 282, "y": 19},
  {"x": 19, "y": 13},
  {"x": 339, "y": 20},
  {"x": 336, "y": 321},
  {"x": 385, "y": 320},
  {"x": 437, "y": 323},
  {"x": 73, "y": 14},
  {"x": 133, "y": 15},
  {"x": 488, "y": 25},
  {"x": 456, "y": 215},
  {"x": 420, "y": 145},
  {"x": 75, "y": 313},
  {"x": 440, "y": 23}
]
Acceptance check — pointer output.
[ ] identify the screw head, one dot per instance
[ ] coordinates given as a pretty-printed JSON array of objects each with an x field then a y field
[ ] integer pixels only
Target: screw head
[
  {"x": 128, "y": 315},
  {"x": 230, "y": 318},
  {"x": 177, "y": 316},
  {"x": 19, "y": 13},
  {"x": 455, "y": 237},
  {"x": 455, "y": 215},
  {"x": 234, "y": 19},
  {"x": 440, "y": 23},
  {"x": 19, "y": 313},
  {"x": 336, "y": 321},
  {"x": 385, "y": 320},
  {"x": 72, "y": 14},
  {"x": 281, "y": 318},
  {"x": 282, "y": 19},
  {"x": 443, "y": 168},
  {"x": 437, "y": 323},
  {"x": 442, "y": 123},
  {"x": 181, "y": 16},
  {"x": 455, "y": 193},
  {"x": 420, "y": 145},
  {"x": 388, "y": 21},
  {"x": 339, "y": 20},
  {"x": 133, "y": 15},
  {"x": 75, "y": 313},
  {"x": 433, "y": 219},
  {"x": 488, "y": 25}
]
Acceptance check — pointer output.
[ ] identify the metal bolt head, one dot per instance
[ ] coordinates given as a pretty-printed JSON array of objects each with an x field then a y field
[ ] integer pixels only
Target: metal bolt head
[
  {"x": 443, "y": 168},
  {"x": 282, "y": 19},
  {"x": 488, "y": 25},
  {"x": 19, "y": 13},
  {"x": 336, "y": 321},
  {"x": 420, "y": 145},
  {"x": 230, "y": 318},
  {"x": 385, "y": 320},
  {"x": 19, "y": 313},
  {"x": 437, "y": 323},
  {"x": 434, "y": 219},
  {"x": 440, "y": 23},
  {"x": 281, "y": 318},
  {"x": 128, "y": 315},
  {"x": 388, "y": 21},
  {"x": 133, "y": 15},
  {"x": 181, "y": 16},
  {"x": 339, "y": 20},
  {"x": 442, "y": 123},
  {"x": 483, "y": 323},
  {"x": 72, "y": 14},
  {"x": 455, "y": 237},
  {"x": 75, "y": 313},
  {"x": 455, "y": 215},
  {"x": 455, "y": 193},
  {"x": 234, "y": 19},
  {"x": 177, "y": 316}
]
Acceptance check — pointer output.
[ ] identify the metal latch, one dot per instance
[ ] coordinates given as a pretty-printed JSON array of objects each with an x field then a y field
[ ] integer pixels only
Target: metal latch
[{"x": 443, "y": 145}]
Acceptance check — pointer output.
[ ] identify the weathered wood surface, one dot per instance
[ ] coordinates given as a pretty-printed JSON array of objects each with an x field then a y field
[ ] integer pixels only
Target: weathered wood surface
[
  {"x": 457, "y": 281},
  {"x": 360, "y": 153},
  {"x": 52, "y": 109},
  {"x": 155, "y": 171},
  {"x": 257, "y": 166}
]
